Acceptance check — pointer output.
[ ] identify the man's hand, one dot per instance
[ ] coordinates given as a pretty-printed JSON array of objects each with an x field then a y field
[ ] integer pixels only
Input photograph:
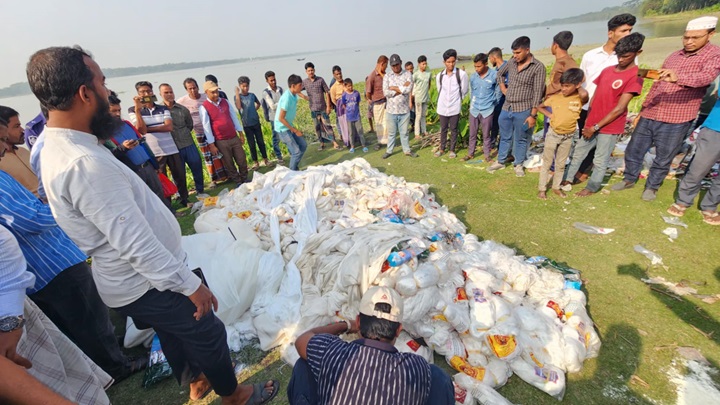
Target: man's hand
[
  {"x": 354, "y": 327},
  {"x": 530, "y": 121},
  {"x": 204, "y": 301},
  {"x": 138, "y": 104},
  {"x": 213, "y": 149},
  {"x": 588, "y": 132},
  {"x": 503, "y": 89},
  {"x": 8, "y": 345},
  {"x": 241, "y": 134},
  {"x": 668, "y": 75},
  {"x": 130, "y": 144},
  {"x": 396, "y": 89},
  {"x": 296, "y": 132},
  {"x": 328, "y": 109}
]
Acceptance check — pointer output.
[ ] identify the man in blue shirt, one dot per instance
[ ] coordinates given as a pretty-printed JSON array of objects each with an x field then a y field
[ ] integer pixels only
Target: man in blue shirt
[
  {"x": 129, "y": 147},
  {"x": 485, "y": 95},
  {"x": 368, "y": 370},
  {"x": 286, "y": 109},
  {"x": 495, "y": 57},
  {"x": 706, "y": 155},
  {"x": 64, "y": 289}
]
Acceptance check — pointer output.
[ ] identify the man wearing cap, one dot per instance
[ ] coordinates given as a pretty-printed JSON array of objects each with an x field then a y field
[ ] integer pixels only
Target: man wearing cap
[
  {"x": 397, "y": 87},
  {"x": 224, "y": 132},
  {"x": 672, "y": 105},
  {"x": 369, "y": 370}
]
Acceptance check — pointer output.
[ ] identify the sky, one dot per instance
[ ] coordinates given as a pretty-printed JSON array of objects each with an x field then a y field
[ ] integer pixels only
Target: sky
[{"x": 142, "y": 32}]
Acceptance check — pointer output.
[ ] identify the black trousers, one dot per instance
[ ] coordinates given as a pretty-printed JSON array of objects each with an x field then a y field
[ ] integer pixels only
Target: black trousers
[
  {"x": 302, "y": 388},
  {"x": 191, "y": 347},
  {"x": 176, "y": 165},
  {"x": 72, "y": 302},
  {"x": 450, "y": 123}
]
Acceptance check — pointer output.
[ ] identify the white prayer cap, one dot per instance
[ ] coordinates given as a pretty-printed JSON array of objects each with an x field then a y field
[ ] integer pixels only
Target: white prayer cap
[{"x": 702, "y": 23}]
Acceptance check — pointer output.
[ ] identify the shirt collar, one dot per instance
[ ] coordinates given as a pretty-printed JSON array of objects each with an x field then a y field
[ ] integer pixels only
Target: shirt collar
[
  {"x": 72, "y": 135},
  {"x": 376, "y": 344}
]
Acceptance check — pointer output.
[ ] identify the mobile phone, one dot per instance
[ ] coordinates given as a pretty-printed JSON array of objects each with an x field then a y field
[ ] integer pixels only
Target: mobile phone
[
  {"x": 652, "y": 74},
  {"x": 525, "y": 126},
  {"x": 141, "y": 140},
  {"x": 198, "y": 272},
  {"x": 148, "y": 99}
]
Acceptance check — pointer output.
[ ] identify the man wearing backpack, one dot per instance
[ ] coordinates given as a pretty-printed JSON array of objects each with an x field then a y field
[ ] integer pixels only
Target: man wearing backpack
[
  {"x": 452, "y": 84},
  {"x": 270, "y": 97}
]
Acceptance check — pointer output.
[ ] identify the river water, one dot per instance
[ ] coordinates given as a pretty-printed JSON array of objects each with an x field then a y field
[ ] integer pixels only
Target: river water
[{"x": 357, "y": 62}]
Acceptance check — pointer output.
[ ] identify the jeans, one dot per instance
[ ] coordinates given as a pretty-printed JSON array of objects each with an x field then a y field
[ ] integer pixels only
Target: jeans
[
  {"x": 707, "y": 153},
  {"x": 667, "y": 139},
  {"x": 275, "y": 141},
  {"x": 496, "y": 124},
  {"x": 397, "y": 123},
  {"x": 450, "y": 123},
  {"x": 254, "y": 135},
  {"x": 485, "y": 125},
  {"x": 191, "y": 157},
  {"x": 296, "y": 147},
  {"x": 557, "y": 149},
  {"x": 511, "y": 133},
  {"x": 72, "y": 302},
  {"x": 191, "y": 347},
  {"x": 421, "y": 118},
  {"x": 604, "y": 145}
]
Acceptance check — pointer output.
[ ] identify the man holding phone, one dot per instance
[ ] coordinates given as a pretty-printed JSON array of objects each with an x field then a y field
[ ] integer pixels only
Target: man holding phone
[{"x": 672, "y": 105}]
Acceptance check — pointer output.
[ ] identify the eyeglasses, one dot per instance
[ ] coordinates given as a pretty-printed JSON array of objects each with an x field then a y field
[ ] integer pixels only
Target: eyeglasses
[{"x": 695, "y": 38}]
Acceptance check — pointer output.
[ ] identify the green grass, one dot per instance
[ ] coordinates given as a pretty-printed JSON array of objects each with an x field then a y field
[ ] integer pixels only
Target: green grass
[{"x": 636, "y": 324}]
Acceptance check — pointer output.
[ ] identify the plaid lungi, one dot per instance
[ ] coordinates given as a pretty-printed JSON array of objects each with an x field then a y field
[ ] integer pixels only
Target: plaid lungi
[{"x": 213, "y": 163}]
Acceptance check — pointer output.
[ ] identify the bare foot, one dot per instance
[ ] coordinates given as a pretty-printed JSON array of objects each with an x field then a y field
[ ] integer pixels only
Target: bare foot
[
  {"x": 243, "y": 393},
  {"x": 584, "y": 193},
  {"x": 199, "y": 387},
  {"x": 542, "y": 195},
  {"x": 559, "y": 193}
]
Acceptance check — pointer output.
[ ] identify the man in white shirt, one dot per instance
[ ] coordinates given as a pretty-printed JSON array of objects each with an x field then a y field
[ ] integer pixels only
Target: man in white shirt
[
  {"x": 270, "y": 97},
  {"x": 138, "y": 261},
  {"x": 452, "y": 84}
]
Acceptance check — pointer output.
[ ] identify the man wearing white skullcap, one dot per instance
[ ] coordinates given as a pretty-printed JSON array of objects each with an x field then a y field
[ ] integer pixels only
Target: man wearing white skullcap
[{"x": 672, "y": 105}]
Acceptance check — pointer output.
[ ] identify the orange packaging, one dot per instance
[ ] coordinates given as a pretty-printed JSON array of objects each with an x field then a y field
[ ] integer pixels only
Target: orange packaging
[
  {"x": 439, "y": 317},
  {"x": 555, "y": 307},
  {"x": 502, "y": 345},
  {"x": 419, "y": 209},
  {"x": 461, "y": 365},
  {"x": 210, "y": 201},
  {"x": 414, "y": 345},
  {"x": 243, "y": 214},
  {"x": 460, "y": 394},
  {"x": 460, "y": 295}
]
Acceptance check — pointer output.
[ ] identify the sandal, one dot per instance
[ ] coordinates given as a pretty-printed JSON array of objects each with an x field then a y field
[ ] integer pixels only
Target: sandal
[
  {"x": 677, "y": 210},
  {"x": 711, "y": 217},
  {"x": 260, "y": 395}
]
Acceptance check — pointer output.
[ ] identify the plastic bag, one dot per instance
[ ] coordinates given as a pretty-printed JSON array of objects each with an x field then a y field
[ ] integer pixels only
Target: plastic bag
[
  {"x": 481, "y": 392},
  {"x": 654, "y": 257},
  {"x": 545, "y": 377},
  {"x": 135, "y": 336},
  {"x": 158, "y": 367},
  {"x": 592, "y": 229},
  {"x": 169, "y": 188}
]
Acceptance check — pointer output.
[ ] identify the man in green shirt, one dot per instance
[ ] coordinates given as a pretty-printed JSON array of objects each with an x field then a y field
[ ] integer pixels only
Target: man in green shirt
[{"x": 421, "y": 88}]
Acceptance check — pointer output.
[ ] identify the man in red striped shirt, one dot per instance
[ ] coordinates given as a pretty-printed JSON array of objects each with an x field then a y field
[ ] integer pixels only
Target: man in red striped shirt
[{"x": 672, "y": 105}]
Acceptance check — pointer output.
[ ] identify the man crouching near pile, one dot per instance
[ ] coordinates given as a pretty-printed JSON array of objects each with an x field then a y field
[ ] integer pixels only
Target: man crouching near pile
[{"x": 369, "y": 370}]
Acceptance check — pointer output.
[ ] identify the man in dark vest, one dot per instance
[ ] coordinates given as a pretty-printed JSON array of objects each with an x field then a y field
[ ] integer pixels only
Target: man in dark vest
[{"x": 224, "y": 132}]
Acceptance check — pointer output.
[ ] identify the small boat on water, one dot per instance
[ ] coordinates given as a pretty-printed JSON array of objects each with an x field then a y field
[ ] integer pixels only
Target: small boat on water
[{"x": 300, "y": 59}]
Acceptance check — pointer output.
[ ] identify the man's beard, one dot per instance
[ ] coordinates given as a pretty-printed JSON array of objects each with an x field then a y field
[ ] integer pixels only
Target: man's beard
[{"x": 102, "y": 124}]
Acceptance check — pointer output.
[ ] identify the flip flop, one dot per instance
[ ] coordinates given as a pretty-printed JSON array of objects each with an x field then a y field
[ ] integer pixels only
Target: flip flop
[
  {"x": 677, "y": 210},
  {"x": 260, "y": 396}
]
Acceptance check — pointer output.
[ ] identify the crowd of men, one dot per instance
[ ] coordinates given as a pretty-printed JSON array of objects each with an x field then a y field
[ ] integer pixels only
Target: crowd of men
[{"x": 92, "y": 185}]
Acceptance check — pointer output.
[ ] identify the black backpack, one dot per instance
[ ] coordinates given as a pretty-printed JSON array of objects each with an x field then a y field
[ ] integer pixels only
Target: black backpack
[
  {"x": 457, "y": 76},
  {"x": 265, "y": 107}
]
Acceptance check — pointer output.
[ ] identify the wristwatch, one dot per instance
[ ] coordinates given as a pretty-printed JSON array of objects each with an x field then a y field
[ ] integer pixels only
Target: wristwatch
[
  {"x": 11, "y": 323},
  {"x": 596, "y": 127}
]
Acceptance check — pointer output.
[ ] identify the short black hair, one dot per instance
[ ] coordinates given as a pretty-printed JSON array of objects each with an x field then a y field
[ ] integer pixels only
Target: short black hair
[
  {"x": 336, "y": 68},
  {"x": 376, "y": 328},
  {"x": 3, "y": 123},
  {"x": 190, "y": 80},
  {"x": 164, "y": 85},
  {"x": 409, "y": 63},
  {"x": 620, "y": 20},
  {"x": 481, "y": 57},
  {"x": 244, "y": 79},
  {"x": 347, "y": 81},
  {"x": 522, "y": 42},
  {"x": 294, "y": 79},
  {"x": 450, "y": 53},
  {"x": 143, "y": 83},
  {"x": 7, "y": 112},
  {"x": 630, "y": 43},
  {"x": 55, "y": 75},
  {"x": 572, "y": 76},
  {"x": 309, "y": 65},
  {"x": 211, "y": 78},
  {"x": 269, "y": 74},
  {"x": 422, "y": 58},
  {"x": 382, "y": 59},
  {"x": 563, "y": 39},
  {"x": 495, "y": 51},
  {"x": 113, "y": 98}
]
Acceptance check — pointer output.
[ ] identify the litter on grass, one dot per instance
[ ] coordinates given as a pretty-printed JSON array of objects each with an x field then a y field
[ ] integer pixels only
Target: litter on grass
[
  {"x": 674, "y": 221},
  {"x": 294, "y": 250},
  {"x": 652, "y": 256},
  {"x": 594, "y": 230}
]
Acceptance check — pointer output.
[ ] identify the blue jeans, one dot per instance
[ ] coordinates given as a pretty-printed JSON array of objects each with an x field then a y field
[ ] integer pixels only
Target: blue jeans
[
  {"x": 191, "y": 157},
  {"x": 511, "y": 133},
  {"x": 667, "y": 139},
  {"x": 397, "y": 123},
  {"x": 275, "y": 141},
  {"x": 604, "y": 145},
  {"x": 296, "y": 146}
]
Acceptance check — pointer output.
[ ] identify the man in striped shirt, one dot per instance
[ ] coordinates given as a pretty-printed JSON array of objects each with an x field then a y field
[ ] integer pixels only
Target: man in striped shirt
[{"x": 369, "y": 370}]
